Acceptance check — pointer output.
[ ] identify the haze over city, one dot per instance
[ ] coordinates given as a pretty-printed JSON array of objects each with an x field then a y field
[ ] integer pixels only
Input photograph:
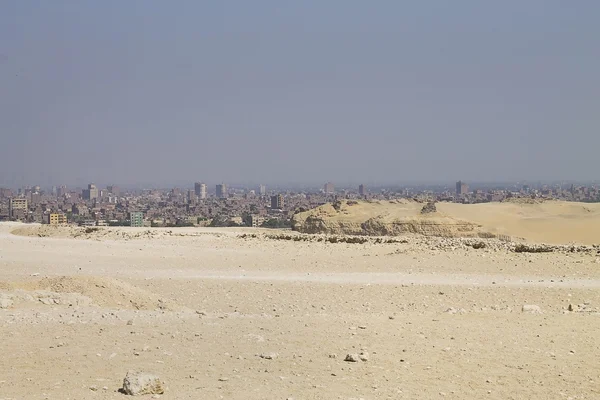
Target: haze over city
[{"x": 166, "y": 93}]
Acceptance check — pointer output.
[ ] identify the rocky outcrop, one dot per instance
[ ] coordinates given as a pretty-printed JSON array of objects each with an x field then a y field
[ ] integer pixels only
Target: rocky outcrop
[
  {"x": 379, "y": 218},
  {"x": 445, "y": 228},
  {"x": 429, "y": 208}
]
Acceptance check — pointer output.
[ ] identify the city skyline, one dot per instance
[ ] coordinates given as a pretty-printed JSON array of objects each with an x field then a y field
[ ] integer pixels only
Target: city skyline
[
  {"x": 230, "y": 206},
  {"x": 317, "y": 186}
]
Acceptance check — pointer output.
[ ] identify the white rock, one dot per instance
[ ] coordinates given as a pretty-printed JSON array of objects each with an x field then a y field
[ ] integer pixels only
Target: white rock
[
  {"x": 453, "y": 310},
  {"x": 138, "y": 383},
  {"x": 531, "y": 308},
  {"x": 5, "y": 303}
]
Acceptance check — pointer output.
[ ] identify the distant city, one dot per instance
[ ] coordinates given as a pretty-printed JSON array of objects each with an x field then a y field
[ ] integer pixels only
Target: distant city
[{"x": 222, "y": 205}]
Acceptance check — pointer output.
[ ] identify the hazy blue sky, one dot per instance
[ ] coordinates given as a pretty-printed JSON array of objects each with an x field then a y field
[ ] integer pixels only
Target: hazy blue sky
[{"x": 171, "y": 92}]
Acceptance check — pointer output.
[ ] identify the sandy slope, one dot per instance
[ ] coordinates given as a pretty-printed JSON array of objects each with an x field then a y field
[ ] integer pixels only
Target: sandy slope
[
  {"x": 310, "y": 303},
  {"x": 548, "y": 222}
]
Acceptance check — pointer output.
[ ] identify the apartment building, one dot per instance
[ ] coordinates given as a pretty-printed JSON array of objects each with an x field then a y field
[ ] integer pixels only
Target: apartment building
[{"x": 55, "y": 219}]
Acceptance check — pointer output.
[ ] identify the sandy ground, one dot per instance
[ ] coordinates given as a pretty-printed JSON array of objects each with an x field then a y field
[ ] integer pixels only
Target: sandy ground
[
  {"x": 199, "y": 306},
  {"x": 554, "y": 222}
]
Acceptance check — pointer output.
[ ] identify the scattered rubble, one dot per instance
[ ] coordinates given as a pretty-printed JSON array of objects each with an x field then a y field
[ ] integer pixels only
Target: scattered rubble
[
  {"x": 480, "y": 241},
  {"x": 583, "y": 308}
]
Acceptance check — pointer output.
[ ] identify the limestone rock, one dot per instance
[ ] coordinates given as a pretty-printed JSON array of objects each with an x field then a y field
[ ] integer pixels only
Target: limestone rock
[
  {"x": 5, "y": 302},
  {"x": 269, "y": 356},
  {"x": 380, "y": 218},
  {"x": 531, "y": 308},
  {"x": 139, "y": 383},
  {"x": 428, "y": 208}
]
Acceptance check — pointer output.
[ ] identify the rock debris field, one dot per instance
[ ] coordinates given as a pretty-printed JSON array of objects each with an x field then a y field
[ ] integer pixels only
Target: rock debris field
[{"x": 199, "y": 313}]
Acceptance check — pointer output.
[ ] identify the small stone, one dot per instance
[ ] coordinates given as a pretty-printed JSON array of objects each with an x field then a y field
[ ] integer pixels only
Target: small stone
[
  {"x": 94, "y": 388},
  {"x": 364, "y": 356},
  {"x": 223, "y": 379},
  {"x": 531, "y": 308},
  {"x": 130, "y": 322},
  {"x": 5, "y": 303},
  {"x": 352, "y": 357},
  {"x": 138, "y": 383},
  {"x": 268, "y": 356}
]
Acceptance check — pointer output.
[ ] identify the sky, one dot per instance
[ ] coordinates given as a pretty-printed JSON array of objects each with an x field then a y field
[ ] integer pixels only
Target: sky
[{"x": 146, "y": 92}]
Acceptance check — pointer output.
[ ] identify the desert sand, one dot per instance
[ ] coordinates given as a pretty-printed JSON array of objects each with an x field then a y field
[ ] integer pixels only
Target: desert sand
[
  {"x": 242, "y": 314},
  {"x": 548, "y": 222}
]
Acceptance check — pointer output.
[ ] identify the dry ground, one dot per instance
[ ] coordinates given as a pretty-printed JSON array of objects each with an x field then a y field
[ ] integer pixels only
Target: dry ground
[
  {"x": 554, "y": 222},
  {"x": 199, "y": 306}
]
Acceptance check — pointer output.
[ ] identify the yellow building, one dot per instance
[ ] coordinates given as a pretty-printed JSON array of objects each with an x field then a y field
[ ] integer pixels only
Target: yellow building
[{"x": 55, "y": 219}]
